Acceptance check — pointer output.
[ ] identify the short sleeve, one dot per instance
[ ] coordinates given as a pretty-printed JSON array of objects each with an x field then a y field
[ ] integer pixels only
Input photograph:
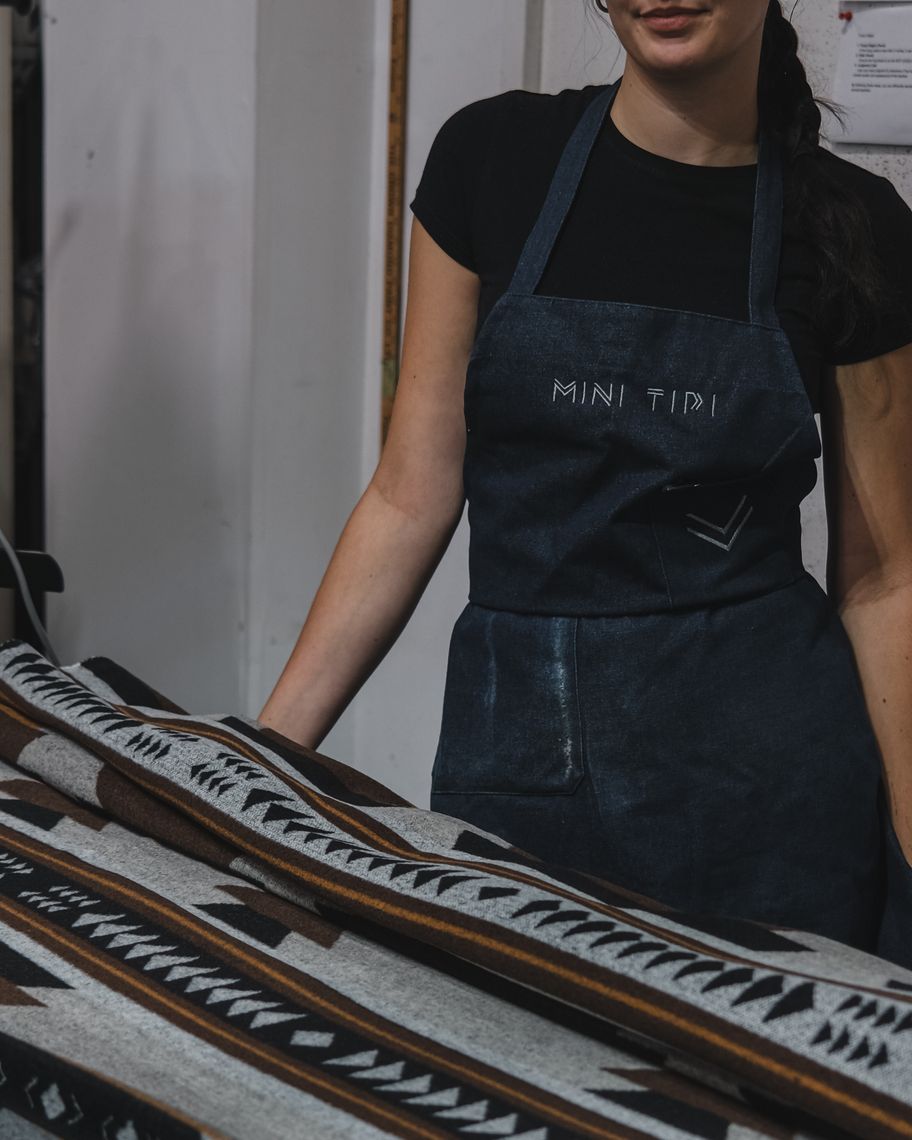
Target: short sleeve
[
  {"x": 447, "y": 191},
  {"x": 891, "y": 225}
]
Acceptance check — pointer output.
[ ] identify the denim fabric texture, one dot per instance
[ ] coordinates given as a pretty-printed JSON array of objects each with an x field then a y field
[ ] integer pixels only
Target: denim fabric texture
[{"x": 646, "y": 682}]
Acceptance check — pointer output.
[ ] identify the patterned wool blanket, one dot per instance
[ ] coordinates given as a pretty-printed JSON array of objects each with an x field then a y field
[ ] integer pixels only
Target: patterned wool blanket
[{"x": 208, "y": 931}]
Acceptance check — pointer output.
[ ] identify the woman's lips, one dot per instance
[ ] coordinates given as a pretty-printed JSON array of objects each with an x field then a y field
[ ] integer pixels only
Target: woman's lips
[{"x": 674, "y": 20}]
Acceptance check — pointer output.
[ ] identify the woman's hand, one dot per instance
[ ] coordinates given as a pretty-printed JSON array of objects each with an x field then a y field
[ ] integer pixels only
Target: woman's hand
[
  {"x": 403, "y": 522},
  {"x": 867, "y": 430}
]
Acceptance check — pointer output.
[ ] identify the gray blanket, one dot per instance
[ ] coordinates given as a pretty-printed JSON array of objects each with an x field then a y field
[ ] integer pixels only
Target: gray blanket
[{"x": 208, "y": 931}]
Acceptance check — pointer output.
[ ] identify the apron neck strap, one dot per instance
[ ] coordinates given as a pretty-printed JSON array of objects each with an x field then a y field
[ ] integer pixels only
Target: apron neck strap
[{"x": 766, "y": 236}]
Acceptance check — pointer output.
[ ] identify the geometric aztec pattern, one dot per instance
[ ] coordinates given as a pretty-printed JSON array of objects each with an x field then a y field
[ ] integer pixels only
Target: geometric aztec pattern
[
  {"x": 216, "y": 886},
  {"x": 66, "y": 1100},
  {"x": 226, "y": 994}
]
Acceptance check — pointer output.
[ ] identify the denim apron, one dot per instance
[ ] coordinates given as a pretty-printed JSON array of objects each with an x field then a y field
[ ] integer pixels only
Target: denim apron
[{"x": 646, "y": 683}]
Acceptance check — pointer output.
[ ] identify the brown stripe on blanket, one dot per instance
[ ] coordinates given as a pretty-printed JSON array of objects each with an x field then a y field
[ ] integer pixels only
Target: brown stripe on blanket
[
  {"x": 373, "y": 832},
  {"x": 286, "y": 915},
  {"x": 361, "y": 827},
  {"x": 273, "y": 976},
  {"x": 44, "y": 796},
  {"x": 122, "y": 797},
  {"x": 367, "y": 829},
  {"x": 16, "y": 730},
  {"x": 11, "y": 994},
  {"x": 778, "y": 1121},
  {"x": 129, "y": 804}
]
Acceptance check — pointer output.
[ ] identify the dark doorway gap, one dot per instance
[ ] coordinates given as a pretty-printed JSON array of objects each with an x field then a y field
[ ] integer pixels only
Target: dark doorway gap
[{"x": 28, "y": 293}]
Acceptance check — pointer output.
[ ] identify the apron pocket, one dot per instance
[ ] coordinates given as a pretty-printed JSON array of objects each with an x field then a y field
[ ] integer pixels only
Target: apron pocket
[{"x": 510, "y": 720}]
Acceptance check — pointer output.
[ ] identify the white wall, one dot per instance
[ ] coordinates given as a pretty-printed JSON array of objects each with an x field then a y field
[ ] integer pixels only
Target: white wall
[
  {"x": 315, "y": 190},
  {"x": 149, "y": 246},
  {"x": 578, "y": 46}
]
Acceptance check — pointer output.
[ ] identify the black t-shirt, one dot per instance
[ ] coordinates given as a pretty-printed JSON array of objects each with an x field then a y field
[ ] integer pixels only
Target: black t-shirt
[{"x": 642, "y": 228}]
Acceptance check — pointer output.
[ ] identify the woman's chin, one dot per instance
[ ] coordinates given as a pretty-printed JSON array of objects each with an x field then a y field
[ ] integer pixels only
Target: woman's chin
[{"x": 683, "y": 60}]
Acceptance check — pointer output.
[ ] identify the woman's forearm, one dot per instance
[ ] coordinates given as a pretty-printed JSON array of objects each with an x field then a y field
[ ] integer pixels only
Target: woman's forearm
[
  {"x": 879, "y": 624},
  {"x": 378, "y": 571},
  {"x": 403, "y": 522}
]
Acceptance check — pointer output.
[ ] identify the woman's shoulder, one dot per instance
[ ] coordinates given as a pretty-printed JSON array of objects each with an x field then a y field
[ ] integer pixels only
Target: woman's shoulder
[
  {"x": 889, "y": 217},
  {"x": 888, "y": 211},
  {"x": 482, "y": 149},
  {"x": 520, "y": 101},
  {"x": 879, "y": 194},
  {"x": 509, "y": 112}
]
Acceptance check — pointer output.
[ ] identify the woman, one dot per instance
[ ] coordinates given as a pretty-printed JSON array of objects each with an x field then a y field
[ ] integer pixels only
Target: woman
[{"x": 646, "y": 683}]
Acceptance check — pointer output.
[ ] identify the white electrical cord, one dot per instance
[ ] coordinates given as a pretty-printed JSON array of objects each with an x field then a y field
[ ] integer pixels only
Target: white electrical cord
[{"x": 27, "y": 600}]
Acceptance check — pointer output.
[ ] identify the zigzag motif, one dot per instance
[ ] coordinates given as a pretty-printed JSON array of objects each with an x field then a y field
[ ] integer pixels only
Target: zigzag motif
[
  {"x": 750, "y": 985},
  {"x": 61, "y": 693},
  {"x": 242, "y": 767},
  {"x": 13, "y": 865},
  {"x": 267, "y": 1015}
]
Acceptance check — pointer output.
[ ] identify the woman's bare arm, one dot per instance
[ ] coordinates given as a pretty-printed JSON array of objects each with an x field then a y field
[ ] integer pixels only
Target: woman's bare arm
[
  {"x": 867, "y": 427},
  {"x": 403, "y": 522}
]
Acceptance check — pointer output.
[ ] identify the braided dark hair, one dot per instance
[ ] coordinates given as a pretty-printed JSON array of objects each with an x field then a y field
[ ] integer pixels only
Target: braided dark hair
[{"x": 851, "y": 286}]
